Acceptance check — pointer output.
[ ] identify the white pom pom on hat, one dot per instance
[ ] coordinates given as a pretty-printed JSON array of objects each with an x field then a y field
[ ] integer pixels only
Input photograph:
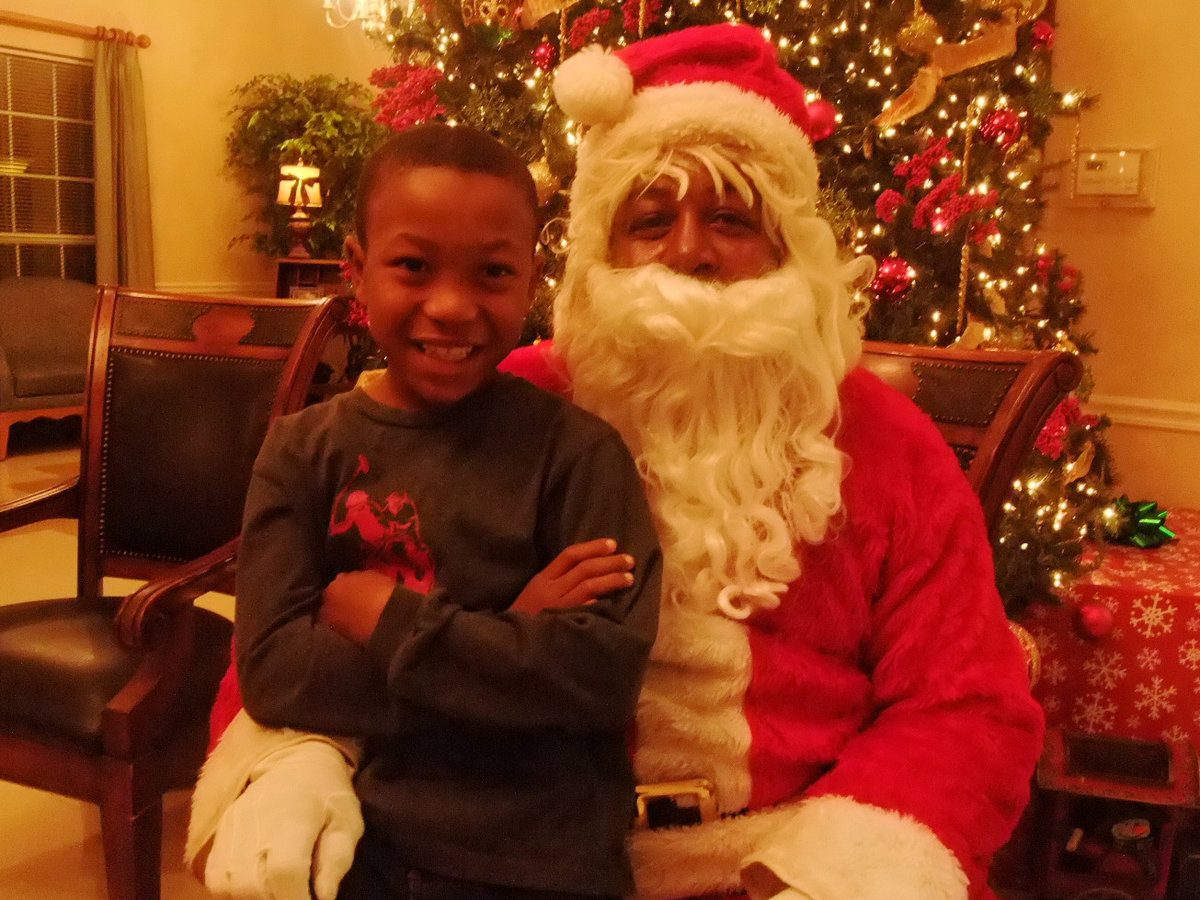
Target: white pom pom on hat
[{"x": 595, "y": 87}]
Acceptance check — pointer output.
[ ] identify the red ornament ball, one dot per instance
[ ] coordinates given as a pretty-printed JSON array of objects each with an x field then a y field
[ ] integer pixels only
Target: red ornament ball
[
  {"x": 893, "y": 278},
  {"x": 545, "y": 55},
  {"x": 1043, "y": 35},
  {"x": 1093, "y": 620},
  {"x": 1002, "y": 127}
]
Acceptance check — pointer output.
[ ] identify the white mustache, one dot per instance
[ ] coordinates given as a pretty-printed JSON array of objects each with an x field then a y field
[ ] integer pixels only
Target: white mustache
[{"x": 749, "y": 318}]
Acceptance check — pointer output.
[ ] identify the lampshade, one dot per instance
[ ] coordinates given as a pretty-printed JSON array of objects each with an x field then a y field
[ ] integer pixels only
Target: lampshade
[{"x": 299, "y": 186}]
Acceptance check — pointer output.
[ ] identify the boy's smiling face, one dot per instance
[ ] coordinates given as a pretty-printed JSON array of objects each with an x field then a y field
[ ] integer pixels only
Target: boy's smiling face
[{"x": 447, "y": 277}]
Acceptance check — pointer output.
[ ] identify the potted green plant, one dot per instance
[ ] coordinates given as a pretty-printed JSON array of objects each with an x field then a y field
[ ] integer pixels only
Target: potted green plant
[{"x": 279, "y": 119}]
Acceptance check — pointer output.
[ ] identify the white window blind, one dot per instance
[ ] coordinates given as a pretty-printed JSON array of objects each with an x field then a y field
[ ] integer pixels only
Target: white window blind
[{"x": 47, "y": 188}]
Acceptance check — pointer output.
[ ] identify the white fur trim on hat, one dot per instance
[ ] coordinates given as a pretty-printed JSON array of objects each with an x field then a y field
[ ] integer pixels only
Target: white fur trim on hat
[{"x": 593, "y": 86}]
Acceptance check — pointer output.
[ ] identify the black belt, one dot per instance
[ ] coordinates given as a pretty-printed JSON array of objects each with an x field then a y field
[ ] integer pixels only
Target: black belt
[{"x": 668, "y": 803}]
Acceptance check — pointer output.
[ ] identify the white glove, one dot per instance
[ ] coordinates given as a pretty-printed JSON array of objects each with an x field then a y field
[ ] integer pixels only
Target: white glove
[{"x": 297, "y": 821}]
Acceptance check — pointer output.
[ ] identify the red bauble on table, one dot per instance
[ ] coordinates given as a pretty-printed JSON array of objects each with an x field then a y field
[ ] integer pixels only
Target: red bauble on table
[{"x": 1093, "y": 620}]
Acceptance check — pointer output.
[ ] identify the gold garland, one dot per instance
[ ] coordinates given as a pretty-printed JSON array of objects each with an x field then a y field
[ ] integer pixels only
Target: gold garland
[{"x": 964, "y": 266}]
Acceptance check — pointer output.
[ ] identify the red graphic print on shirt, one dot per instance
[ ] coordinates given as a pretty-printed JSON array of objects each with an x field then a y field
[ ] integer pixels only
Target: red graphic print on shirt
[{"x": 389, "y": 530}]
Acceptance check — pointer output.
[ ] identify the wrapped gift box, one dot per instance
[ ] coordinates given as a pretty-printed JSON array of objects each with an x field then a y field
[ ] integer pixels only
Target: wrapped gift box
[{"x": 1142, "y": 679}]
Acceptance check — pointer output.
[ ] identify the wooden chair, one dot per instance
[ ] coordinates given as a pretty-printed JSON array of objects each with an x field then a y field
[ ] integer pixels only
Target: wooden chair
[
  {"x": 104, "y": 698},
  {"x": 990, "y": 405}
]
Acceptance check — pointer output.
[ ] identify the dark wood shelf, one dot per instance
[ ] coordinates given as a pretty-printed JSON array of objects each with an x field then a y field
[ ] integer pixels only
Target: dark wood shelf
[{"x": 300, "y": 277}]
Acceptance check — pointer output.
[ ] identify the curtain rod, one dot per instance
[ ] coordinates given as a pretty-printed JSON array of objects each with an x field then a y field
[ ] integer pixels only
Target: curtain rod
[{"x": 99, "y": 33}]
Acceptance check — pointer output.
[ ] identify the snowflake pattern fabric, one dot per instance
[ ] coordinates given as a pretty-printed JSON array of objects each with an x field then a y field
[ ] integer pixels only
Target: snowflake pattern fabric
[{"x": 1139, "y": 680}]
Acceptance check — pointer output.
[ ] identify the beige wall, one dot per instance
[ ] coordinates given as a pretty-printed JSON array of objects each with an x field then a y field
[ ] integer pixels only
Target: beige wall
[
  {"x": 1140, "y": 267},
  {"x": 199, "y": 51}
]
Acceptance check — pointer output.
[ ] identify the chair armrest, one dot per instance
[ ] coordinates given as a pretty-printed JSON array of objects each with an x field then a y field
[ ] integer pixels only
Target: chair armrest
[
  {"x": 153, "y": 604},
  {"x": 150, "y": 618},
  {"x": 58, "y": 502}
]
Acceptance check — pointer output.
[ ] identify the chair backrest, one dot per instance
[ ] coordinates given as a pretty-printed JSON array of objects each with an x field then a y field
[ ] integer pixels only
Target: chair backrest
[
  {"x": 180, "y": 392},
  {"x": 989, "y": 404}
]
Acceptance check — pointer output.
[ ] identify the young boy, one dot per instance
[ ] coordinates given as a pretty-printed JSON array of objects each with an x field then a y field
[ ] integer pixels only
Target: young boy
[{"x": 406, "y": 546}]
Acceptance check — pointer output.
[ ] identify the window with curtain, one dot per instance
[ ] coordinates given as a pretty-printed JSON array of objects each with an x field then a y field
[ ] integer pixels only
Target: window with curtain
[{"x": 47, "y": 185}]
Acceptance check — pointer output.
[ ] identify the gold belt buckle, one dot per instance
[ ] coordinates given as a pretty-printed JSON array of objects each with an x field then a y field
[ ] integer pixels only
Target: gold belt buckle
[{"x": 688, "y": 802}]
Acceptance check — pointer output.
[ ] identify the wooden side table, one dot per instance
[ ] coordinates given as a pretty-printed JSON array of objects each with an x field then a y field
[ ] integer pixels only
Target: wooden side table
[
  {"x": 296, "y": 277},
  {"x": 1114, "y": 809}
]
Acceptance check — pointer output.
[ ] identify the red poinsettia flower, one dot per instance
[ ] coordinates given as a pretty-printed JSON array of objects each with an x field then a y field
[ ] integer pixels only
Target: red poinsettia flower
[
  {"x": 887, "y": 204},
  {"x": 1052, "y": 440},
  {"x": 408, "y": 96},
  {"x": 583, "y": 28}
]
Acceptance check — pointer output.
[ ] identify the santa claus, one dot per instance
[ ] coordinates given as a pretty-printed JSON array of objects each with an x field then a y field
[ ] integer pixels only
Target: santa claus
[{"x": 835, "y": 708}]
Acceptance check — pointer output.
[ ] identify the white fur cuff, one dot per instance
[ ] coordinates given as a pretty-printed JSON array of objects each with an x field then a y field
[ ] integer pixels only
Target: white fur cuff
[{"x": 838, "y": 849}]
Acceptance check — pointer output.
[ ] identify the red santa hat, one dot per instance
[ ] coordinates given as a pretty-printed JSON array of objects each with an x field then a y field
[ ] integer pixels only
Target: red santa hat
[
  {"x": 595, "y": 87},
  {"x": 706, "y": 86}
]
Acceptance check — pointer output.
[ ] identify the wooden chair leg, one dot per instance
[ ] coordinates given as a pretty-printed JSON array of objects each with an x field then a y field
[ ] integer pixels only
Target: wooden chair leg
[{"x": 132, "y": 839}]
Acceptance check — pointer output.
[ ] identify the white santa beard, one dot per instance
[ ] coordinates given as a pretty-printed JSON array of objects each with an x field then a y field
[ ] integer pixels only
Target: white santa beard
[{"x": 725, "y": 394}]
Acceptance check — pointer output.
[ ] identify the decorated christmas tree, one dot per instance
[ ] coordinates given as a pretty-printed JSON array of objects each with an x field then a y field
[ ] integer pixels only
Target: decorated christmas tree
[{"x": 936, "y": 169}]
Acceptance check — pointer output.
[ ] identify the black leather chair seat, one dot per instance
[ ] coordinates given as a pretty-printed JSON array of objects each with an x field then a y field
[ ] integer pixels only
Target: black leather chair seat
[{"x": 61, "y": 664}]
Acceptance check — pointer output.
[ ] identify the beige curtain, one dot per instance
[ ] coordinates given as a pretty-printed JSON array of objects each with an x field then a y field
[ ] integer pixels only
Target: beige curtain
[{"x": 124, "y": 241}]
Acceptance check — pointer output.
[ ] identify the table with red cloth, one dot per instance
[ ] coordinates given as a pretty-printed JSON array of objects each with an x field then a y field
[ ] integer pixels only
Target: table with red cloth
[
  {"x": 1123, "y": 722},
  {"x": 1142, "y": 679}
]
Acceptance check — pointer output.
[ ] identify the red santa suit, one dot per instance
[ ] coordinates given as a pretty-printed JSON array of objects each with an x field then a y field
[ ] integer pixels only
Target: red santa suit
[{"x": 874, "y": 735}]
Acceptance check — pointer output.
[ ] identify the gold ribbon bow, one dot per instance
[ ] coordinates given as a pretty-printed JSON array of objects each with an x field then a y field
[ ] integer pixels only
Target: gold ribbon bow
[{"x": 922, "y": 35}]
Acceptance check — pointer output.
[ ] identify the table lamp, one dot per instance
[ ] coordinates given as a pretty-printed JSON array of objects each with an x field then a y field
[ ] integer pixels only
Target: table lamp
[{"x": 299, "y": 188}]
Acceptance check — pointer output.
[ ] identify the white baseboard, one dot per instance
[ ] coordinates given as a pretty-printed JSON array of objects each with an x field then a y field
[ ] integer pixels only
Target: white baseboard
[{"x": 1164, "y": 415}]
